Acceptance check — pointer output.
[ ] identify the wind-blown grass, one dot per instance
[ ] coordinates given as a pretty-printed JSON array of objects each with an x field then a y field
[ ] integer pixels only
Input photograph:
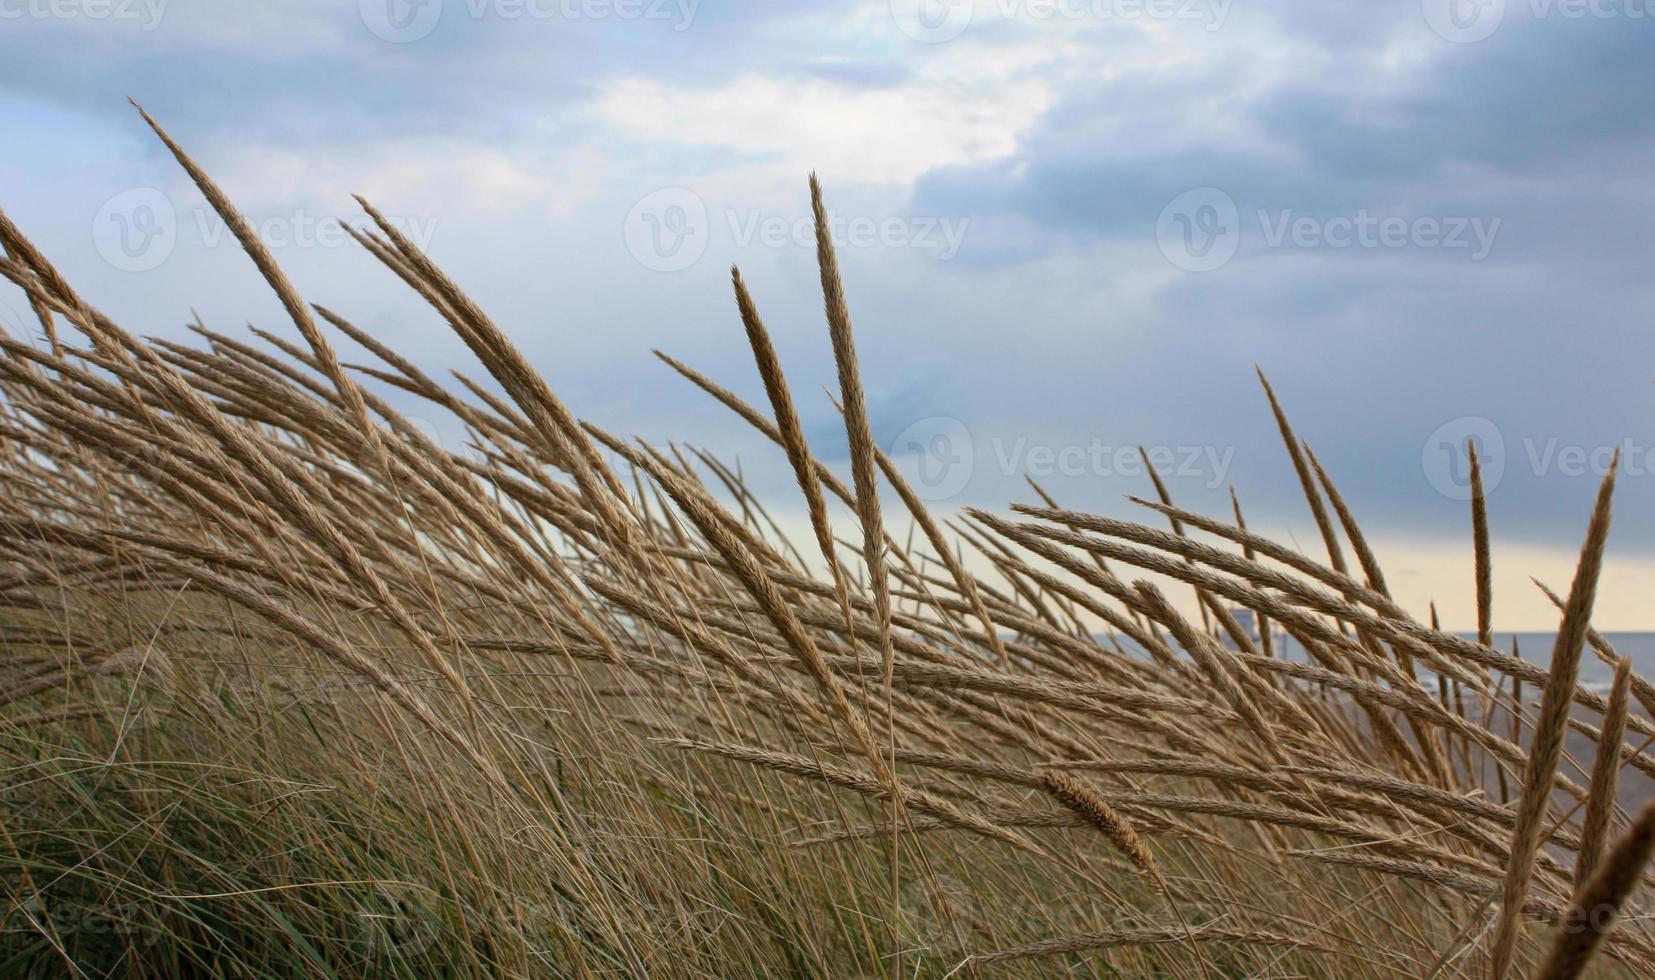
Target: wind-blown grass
[{"x": 288, "y": 688}]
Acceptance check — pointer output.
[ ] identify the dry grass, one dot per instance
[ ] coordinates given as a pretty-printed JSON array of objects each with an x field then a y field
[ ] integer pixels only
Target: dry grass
[{"x": 290, "y": 689}]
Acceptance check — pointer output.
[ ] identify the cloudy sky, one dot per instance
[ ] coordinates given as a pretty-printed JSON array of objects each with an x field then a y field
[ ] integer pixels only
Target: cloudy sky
[{"x": 1068, "y": 227}]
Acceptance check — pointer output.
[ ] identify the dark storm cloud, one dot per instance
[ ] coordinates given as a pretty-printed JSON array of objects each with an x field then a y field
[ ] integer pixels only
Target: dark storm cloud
[
  {"x": 314, "y": 71},
  {"x": 1059, "y": 322},
  {"x": 1546, "y": 127}
]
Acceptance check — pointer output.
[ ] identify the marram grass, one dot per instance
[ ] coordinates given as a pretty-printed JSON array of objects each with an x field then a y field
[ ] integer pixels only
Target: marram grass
[{"x": 288, "y": 689}]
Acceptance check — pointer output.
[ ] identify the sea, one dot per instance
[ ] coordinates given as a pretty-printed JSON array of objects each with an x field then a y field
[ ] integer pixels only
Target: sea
[
  {"x": 1634, "y": 790},
  {"x": 1536, "y": 648}
]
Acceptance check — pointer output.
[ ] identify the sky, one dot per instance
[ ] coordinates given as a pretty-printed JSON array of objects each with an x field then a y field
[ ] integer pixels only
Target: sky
[{"x": 1067, "y": 228}]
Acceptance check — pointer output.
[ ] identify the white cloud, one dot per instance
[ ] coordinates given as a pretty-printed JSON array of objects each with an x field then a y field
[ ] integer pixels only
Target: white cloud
[
  {"x": 863, "y": 134},
  {"x": 392, "y": 173}
]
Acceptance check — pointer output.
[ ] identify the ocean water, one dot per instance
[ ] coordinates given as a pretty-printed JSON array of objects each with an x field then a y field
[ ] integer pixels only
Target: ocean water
[
  {"x": 1633, "y": 790},
  {"x": 1536, "y": 648}
]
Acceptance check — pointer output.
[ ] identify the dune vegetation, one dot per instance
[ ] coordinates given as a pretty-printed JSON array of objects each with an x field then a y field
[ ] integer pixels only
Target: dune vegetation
[{"x": 290, "y": 689}]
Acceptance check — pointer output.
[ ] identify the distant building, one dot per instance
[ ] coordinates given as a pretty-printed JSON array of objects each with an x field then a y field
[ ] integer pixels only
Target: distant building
[{"x": 1248, "y": 621}]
